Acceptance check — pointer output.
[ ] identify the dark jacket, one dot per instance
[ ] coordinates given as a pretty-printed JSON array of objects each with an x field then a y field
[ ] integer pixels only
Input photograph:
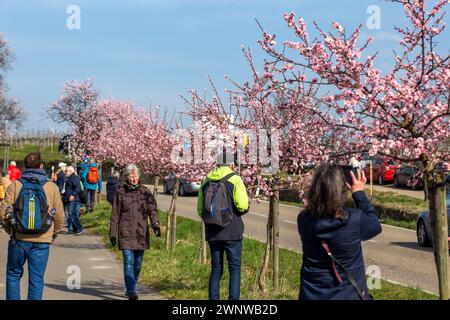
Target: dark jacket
[
  {"x": 73, "y": 188},
  {"x": 236, "y": 188},
  {"x": 129, "y": 218},
  {"x": 317, "y": 280},
  {"x": 61, "y": 180},
  {"x": 112, "y": 185}
]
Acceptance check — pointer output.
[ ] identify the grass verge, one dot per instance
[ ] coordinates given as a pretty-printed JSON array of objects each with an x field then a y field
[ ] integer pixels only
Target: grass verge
[{"x": 179, "y": 275}]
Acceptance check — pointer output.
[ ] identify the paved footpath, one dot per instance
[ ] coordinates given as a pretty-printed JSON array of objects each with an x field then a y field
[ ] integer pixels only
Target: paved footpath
[{"x": 101, "y": 271}]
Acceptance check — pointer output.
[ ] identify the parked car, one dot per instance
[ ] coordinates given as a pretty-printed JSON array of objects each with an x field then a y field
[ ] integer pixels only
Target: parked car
[
  {"x": 424, "y": 233},
  {"x": 186, "y": 187},
  {"x": 383, "y": 170},
  {"x": 406, "y": 176}
]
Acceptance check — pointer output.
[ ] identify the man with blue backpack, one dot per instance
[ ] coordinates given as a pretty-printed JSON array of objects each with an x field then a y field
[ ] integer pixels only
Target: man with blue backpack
[
  {"x": 32, "y": 213},
  {"x": 222, "y": 200}
]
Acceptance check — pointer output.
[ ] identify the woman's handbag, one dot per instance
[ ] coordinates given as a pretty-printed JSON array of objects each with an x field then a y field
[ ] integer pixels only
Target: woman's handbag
[{"x": 361, "y": 292}]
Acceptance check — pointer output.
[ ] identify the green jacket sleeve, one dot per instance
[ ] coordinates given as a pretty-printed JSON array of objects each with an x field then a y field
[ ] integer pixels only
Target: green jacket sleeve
[
  {"x": 200, "y": 199},
  {"x": 240, "y": 196}
]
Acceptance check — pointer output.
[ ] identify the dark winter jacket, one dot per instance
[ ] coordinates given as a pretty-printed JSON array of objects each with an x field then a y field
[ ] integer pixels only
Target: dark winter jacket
[
  {"x": 61, "y": 180},
  {"x": 112, "y": 185},
  {"x": 129, "y": 219},
  {"x": 236, "y": 187},
  {"x": 73, "y": 188},
  {"x": 318, "y": 282}
]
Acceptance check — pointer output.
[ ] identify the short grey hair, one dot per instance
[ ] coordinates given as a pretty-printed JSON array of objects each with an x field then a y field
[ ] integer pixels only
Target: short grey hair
[
  {"x": 131, "y": 168},
  {"x": 70, "y": 168}
]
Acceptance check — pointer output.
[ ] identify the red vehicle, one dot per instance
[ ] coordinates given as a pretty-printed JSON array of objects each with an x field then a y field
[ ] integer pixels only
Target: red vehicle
[{"x": 383, "y": 170}]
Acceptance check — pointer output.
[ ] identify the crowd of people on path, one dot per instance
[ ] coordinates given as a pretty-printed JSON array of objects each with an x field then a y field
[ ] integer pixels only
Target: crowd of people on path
[{"x": 34, "y": 209}]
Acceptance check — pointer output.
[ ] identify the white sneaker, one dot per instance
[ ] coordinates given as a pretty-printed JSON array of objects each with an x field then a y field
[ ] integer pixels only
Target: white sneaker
[{"x": 78, "y": 233}]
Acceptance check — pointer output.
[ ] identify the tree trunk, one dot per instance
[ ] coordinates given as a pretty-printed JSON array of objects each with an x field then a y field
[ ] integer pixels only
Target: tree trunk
[
  {"x": 155, "y": 187},
  {"x": 265, "y": 265},
  {"x": 169, "y": 224},
  {"x": 173, "y": 219},
  {"x": 203, "y": 245},
  {"x": 439, "y": 226},
  {"x": 168, "y": 228},
  {"x": 275, "y": 208},
  {"x": 425, "y": 188}
]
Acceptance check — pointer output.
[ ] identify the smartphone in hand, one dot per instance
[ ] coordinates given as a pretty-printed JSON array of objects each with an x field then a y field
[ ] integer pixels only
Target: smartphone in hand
[{"x": 347, "y": 175}]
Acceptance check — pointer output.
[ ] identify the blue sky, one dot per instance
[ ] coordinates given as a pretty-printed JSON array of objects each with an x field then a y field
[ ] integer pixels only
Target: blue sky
[{"x": 138, "y": 49}]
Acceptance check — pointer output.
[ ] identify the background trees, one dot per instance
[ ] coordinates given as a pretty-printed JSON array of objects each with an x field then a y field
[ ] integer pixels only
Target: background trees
[{"x": 11, "y": 113}]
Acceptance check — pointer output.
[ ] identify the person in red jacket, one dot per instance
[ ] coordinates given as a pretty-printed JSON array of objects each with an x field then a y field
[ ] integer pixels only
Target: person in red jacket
[{"x": 14, "y": 172}]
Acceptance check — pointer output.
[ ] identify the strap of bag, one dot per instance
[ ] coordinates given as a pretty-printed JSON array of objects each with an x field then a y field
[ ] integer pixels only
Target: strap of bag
[
  {"x": 228, "y": 176},
  {"x": 334, "y": 262}
]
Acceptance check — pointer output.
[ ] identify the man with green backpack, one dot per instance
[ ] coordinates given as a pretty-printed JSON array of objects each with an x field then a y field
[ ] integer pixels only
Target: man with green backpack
[
  {"x": 32, "y": 213},
  {"x": 222, "y": 200}
]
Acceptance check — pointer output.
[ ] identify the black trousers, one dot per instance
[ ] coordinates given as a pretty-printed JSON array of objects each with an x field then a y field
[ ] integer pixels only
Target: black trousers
[{"x": 90, "y": 203}]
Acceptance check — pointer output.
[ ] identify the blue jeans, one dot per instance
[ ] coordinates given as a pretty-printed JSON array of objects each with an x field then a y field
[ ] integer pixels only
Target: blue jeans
[
  {"x": 37, "y": 256},
  {"x": 66, "y": 217},
  {"x": 74, "y": 223},
  {"x": 233, "y": 250},
  {"x": 132, "y": 263}
]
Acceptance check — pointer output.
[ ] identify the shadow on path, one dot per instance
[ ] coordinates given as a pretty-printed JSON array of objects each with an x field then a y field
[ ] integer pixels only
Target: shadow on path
[
  {"x": 412, "y": 245},
  {"x": 101, "y": 289}
]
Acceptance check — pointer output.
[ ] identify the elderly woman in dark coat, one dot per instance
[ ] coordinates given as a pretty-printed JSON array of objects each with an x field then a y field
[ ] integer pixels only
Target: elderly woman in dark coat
[
  {"x": 132, "y": 206},
  {"x": 326, "y": 227}
]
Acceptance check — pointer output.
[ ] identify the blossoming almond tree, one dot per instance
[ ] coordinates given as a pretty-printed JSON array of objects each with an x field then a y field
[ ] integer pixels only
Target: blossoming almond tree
[
  {"x": 74, "y": 108},
  {"x": 286, "y": 129},
  {"x": 10, "y": 110},
  {"x": 403, "y": 114}
]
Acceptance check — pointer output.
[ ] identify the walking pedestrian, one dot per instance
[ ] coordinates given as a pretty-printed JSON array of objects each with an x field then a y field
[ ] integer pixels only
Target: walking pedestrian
[
  {"x": 5, "y": 182},
  {"x": 33, "y": 214},
  {"x": 333, "y": 264},
  {"x": 73, "y": 201},
  {"x": 92, "y": 181},
  {"x": 222, "y": 200},
  {"x": 61, "y": 180},
  {"x": 133, "y": 205},
  {"x": 14, "y": 172},
  {"x": 112, "y": 185}
]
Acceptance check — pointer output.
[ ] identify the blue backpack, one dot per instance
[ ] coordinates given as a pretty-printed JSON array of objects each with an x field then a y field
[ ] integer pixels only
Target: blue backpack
[
  {"x": 31, "y": 209},
  {"x": 217, "y": 203}
]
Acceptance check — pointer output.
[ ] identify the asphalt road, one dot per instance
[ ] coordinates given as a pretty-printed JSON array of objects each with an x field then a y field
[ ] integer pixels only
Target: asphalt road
[
  {"x": 394, "y": 251},
  {"x": 419, "y": 194},
  {"x": 100, "y": 271}
]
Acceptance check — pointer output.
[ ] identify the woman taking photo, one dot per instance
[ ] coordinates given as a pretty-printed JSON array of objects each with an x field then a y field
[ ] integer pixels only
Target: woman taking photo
[
  {"x": 333, "y": 264},
  {"x": 132, "y": 206}
]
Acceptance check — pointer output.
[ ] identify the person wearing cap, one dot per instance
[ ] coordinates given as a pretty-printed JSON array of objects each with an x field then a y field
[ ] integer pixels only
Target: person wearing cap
[
  {"x": 229, "y": 238},
  {"x": 61, "y": 176},
  {"x": 14, "y": 172}
]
